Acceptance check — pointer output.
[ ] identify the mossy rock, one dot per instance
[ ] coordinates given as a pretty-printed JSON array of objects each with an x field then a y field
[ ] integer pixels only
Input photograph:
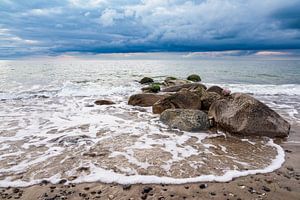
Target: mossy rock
[
  {"x": 155, "y": 87},
  {"x": 194, "y": 78},
  {"x": 146, "y": 80}
]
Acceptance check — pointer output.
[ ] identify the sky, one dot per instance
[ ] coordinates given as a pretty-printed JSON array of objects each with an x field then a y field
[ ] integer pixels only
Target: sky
[{"x": 237, "y": 27}]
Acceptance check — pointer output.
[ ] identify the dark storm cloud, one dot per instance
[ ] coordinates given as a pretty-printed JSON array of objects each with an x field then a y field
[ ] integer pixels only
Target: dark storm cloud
[{"x": 104, "y": 26}]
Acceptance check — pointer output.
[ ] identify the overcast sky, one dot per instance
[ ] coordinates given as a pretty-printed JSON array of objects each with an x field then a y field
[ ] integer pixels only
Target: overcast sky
[{"x": 55, "y": 27}]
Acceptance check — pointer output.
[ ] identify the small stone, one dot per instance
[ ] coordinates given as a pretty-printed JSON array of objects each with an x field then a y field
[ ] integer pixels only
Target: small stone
[
  {"x": 203, "y": 186},
  {"x": 288, "y": 151},
  {"x": 86, "y": 188},
  {"x": 266, "y": 189},
  {"x": 290, "y": 168},
  {"x": 16, "y": 190},
  {"x": 62, "y": 181},
  {"x": 126, "y": 187},
  {"x": 147, "y": 189},
  {"x": 213, "y": 194},
  {"x": 111, "y": 197},
  {"x": 186, "y": 187},
  {"x": 269, "y": 180}
]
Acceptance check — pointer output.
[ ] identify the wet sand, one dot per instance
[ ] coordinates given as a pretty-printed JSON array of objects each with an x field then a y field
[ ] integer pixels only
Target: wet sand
[{"x": 283, "y": 183}]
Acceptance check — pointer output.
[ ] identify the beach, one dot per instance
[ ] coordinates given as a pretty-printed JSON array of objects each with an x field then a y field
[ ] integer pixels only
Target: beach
[
  {"x": 280, "y": 184},
  {"x": 57, "y": 143}
]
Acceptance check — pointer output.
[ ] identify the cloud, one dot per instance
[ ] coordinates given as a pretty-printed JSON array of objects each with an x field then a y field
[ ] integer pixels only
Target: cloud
[
  {"x": 109, "y": 16},
  {"x": 101, "y": 26}
]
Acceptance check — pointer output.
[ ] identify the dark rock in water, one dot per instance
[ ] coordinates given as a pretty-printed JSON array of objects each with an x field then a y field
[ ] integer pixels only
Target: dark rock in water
[
  {"x": 185, "y": 119},
  {"x": 170, "y": 78},
  {"x": 207, "y": 99},
  {"x": 146, "y": 80},
  {"x": 153, "y": 88},
  {"x": 183, "y": 99},
  {"x": 145, "y": 99},
  {"x": 215, "y": 89},
  {"x": 174, "y": 82},
  {"x": 189, "y": 86},
  {"x": 104, "y": 102},
  {"x": 194, "y": 78},
  {"x": 245, "y": 115}
]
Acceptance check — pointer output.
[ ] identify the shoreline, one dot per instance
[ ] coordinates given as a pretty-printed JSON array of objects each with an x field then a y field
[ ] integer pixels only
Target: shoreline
[{"x": 283, "y": 183}]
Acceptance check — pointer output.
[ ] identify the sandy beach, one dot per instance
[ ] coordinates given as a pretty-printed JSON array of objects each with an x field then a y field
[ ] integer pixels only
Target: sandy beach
[{"x": 283, "y": 183}]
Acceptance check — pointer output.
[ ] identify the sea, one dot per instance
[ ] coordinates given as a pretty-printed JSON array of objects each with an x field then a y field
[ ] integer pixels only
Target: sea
[{"x": 50, "y": 128}]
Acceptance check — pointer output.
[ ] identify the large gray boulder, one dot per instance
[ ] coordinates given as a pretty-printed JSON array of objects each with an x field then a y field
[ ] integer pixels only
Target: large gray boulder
[
  {"x": 183, "y": 99},
  {"x": 145, "y": 99},
  {"x": 185, "y": 119},
  {"x": 244, "y": 115}
]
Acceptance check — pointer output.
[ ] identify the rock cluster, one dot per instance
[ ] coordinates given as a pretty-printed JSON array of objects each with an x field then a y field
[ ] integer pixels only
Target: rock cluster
[{"x": 190, "y": 106}]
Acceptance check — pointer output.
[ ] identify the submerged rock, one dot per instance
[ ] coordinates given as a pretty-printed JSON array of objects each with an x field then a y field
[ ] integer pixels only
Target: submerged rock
[
  {"x": 245, "y": 115},
  {"x": 145, "y": 99},
  {"x": 185, "y": 119},
  {"x": 104, "y": 102},
  {"x": 194, "y": 78},
  {"x": 189, "y": 86},
  {"x": 146, "y": 80},
  {"x": 183, "y": 99}
]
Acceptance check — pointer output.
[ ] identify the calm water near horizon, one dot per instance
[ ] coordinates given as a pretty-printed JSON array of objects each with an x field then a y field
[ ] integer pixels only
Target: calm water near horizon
[{"x": 47, "y": 120}]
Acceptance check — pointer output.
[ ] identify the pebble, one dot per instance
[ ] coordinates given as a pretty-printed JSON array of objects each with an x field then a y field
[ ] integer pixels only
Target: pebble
[
  {"x": 62, "y": 181},
  {"x": 203, "y": 186},
  {"x": 147, "y": 190},
  {"x": 266, "y": 189},
  {"x": 126, "y": 187},
  {"x": 213, "y": 194},
  {"x": 110, "y": 197},
  {"x": 16, "y": 190},
  {"x": 290, "y": 168}
]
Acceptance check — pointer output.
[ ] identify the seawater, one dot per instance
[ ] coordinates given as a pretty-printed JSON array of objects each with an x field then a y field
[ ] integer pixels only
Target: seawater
[{"x": 51, "y": 130}]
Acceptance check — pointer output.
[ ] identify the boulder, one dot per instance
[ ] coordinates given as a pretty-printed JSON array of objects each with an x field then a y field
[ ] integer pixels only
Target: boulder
[
  {"x": 104, "y": 102},
  {"x": 207, "y": 98},
  {"x": 146, "y": 80},
  {"x": 185, "y": 119},
  {"x": 183, "y": 99},
  {"x": 174, "y": 82},
  {"x": 145, "y": 99},
  {"x": 194, "y": 78},
  {"x": 153, "y": 88},
  {"x": 189, "y": 86},
  {"x": 215, "y": 89},
  {"x": 245, "y": 115}
]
